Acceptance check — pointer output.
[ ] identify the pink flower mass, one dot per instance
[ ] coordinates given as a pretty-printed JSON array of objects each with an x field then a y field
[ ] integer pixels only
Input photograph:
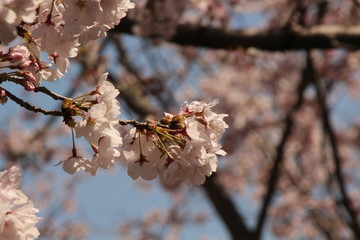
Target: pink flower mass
[
  {"x": 17, "y": 213},
  {"x": 188, "y": 152}
]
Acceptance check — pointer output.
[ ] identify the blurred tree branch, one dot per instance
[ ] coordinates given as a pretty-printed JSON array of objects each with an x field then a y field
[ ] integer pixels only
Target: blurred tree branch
[
  {"x": 293, "y": 38},
  {"x": 344, "y": 197},
  {"x": 226, "y": 209}
]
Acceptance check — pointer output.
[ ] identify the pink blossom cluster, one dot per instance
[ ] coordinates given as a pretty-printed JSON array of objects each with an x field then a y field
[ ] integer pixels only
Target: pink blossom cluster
[
  {"x": 58, "y": 28},
  {"x": 17, "y": 213},
  {"x": 184, "y": 147},
  {"x": 99, "y": 126}
]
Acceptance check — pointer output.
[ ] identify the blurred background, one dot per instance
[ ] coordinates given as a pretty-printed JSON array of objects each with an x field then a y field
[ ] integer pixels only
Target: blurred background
[{"x": 287, "y": 74}]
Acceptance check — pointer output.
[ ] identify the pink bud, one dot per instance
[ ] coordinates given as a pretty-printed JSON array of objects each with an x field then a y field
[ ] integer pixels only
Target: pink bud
[
  {"x": 28, "y": 76},
  {"x": 18, "y": 54},
  {"x": 29, "y": 86}
]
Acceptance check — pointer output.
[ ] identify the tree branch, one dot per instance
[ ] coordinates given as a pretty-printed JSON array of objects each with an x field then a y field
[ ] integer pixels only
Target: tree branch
[
  {"x": 345, "y": 199},
  {"x": 55, "y": 96},
  {"x": 226, "y": 209},
  {"x": 298, "y": 38},
  {"x": 29, "y": 107},
  {"x": 143, "y": 125},
  {"x": 356, "y": 3},
  {"x": 133, "y": 98}
]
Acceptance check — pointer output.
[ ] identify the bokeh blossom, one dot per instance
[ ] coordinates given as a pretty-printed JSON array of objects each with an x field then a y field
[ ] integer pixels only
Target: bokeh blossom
[{"x": 17, "y": 212}]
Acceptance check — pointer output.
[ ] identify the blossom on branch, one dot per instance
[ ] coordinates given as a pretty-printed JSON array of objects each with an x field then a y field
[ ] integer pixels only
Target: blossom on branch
[
  {"x": 99, "y": 111},
  {"x": 17, "y": 213},
  {"x": 182, "y": 147}
]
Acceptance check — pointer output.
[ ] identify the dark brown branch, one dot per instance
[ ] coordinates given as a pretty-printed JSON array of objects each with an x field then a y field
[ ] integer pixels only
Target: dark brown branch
[
  {"x": 16, "y": 80},
  {"x": 356, "y": 2},
  {"x": 280, "y": 151},
  {"x": 226, "y": 209},
  {"x": 29, "y": 107},
  {"x": 51, "y": 120},
  {"x": 133, "y": 98},
  {"x": 345, "y": 199},
  {"x": 319, "y": 37},
  {"x": 142, "y": 83}
]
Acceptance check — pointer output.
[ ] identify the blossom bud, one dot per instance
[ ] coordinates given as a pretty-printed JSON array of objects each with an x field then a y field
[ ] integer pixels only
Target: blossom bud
[
  {"x": 3, "y": 97},
  {"x": 24, "y": 64},
  {"x": 29, "y": 86},
  {"x": 17, "y": 54},
  {"x": 27, "y": 75}
]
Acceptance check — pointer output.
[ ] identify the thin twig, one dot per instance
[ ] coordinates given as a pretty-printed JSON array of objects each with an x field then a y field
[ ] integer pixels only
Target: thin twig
[
  {"x": 29, "y": 107},
  {"x": 50, "y": 93},
  {"x": 42, "y": 89},
  {"x": 51, "y": 120}
]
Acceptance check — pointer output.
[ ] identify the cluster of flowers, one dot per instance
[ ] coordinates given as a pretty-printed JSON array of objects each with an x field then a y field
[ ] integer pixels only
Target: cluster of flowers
[
  {"x": 182, "y": 147},
  {"x": 17, "y": 213},
  {"x": 58, "y": 28},
  {"x": 99, "y": 126}
]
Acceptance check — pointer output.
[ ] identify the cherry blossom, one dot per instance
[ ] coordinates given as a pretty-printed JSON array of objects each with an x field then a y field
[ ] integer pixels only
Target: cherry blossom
[
  {"x": 184, "y": 149},
  {"x": 17, "y": 213},
  {"x": 99, "y": 111},
  {"x": 75, "y": 163},
  {"x": 140, "y": 163},
  {"x": 58, "y": 28},
  {"x": 102, "y": 115},
  {"x": 79, "y": 15}
]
